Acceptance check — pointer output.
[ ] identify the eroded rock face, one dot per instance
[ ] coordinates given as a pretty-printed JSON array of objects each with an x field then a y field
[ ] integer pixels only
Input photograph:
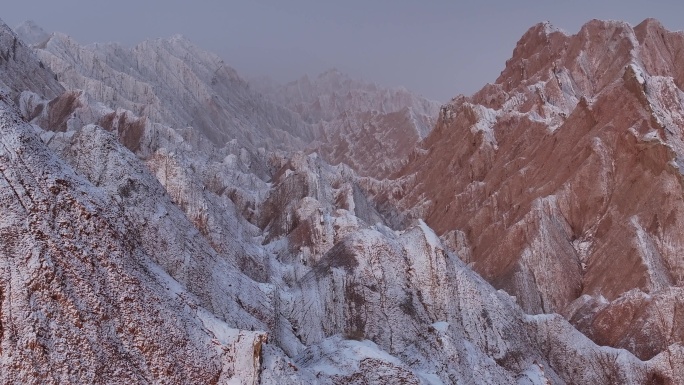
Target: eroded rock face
[
  {"x": 643, "y": 323},
  {"x": 420, "y": 306},
  {"x": 564, "y": 175}
]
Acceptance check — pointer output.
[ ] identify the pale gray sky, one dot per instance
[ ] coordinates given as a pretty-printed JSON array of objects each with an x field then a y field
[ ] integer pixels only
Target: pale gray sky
[{"x": 437, "y": 48}]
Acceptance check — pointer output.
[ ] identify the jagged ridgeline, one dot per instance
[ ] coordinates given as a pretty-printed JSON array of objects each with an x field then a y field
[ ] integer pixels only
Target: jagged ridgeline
[
  {"x": 565, "y": 184},
  {"x": 166, "y": 221}
]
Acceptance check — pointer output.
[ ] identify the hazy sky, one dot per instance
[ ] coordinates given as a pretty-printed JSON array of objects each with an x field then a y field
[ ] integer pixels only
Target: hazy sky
[{"x": 437, "y": 48}]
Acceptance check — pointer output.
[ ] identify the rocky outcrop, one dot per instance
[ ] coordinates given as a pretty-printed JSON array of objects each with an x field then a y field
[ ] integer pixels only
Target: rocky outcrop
[
  {"x": 643, "y": 323},
  {"x": 374, "y": 143}
]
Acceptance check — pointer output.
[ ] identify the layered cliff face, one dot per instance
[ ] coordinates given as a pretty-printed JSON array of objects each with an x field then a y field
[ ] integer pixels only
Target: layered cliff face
[
  {"x": 370, "y": 128},
  {"x": 341, "y": 296},
  {"x": 136, "y": 251},
  {"x": 562, "y": 180}
]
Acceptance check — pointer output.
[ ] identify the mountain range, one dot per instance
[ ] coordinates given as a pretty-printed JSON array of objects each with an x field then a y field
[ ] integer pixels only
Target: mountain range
[{"x": 167, "y": 221}]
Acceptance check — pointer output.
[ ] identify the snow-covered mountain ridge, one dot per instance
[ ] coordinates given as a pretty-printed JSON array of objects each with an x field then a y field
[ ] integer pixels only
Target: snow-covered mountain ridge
[{"x": 172, "y": 82}]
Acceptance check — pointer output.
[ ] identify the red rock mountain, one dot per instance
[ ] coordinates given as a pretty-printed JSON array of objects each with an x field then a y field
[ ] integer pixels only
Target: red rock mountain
[{"x": 561, "y": 182}]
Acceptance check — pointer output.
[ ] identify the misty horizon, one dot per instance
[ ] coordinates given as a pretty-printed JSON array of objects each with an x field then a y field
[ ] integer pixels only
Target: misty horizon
[{"x": 437, "y": 50}]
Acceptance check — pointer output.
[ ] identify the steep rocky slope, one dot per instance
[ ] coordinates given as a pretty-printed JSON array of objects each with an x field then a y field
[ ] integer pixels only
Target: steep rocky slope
[
  {"x": 82, "y": 300},
  {"x": 561, "y": 181},
  {"x": 21, "y": 70},
  {"x": 370, "y": 128},
  {"x": 342, "y": 296}
]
